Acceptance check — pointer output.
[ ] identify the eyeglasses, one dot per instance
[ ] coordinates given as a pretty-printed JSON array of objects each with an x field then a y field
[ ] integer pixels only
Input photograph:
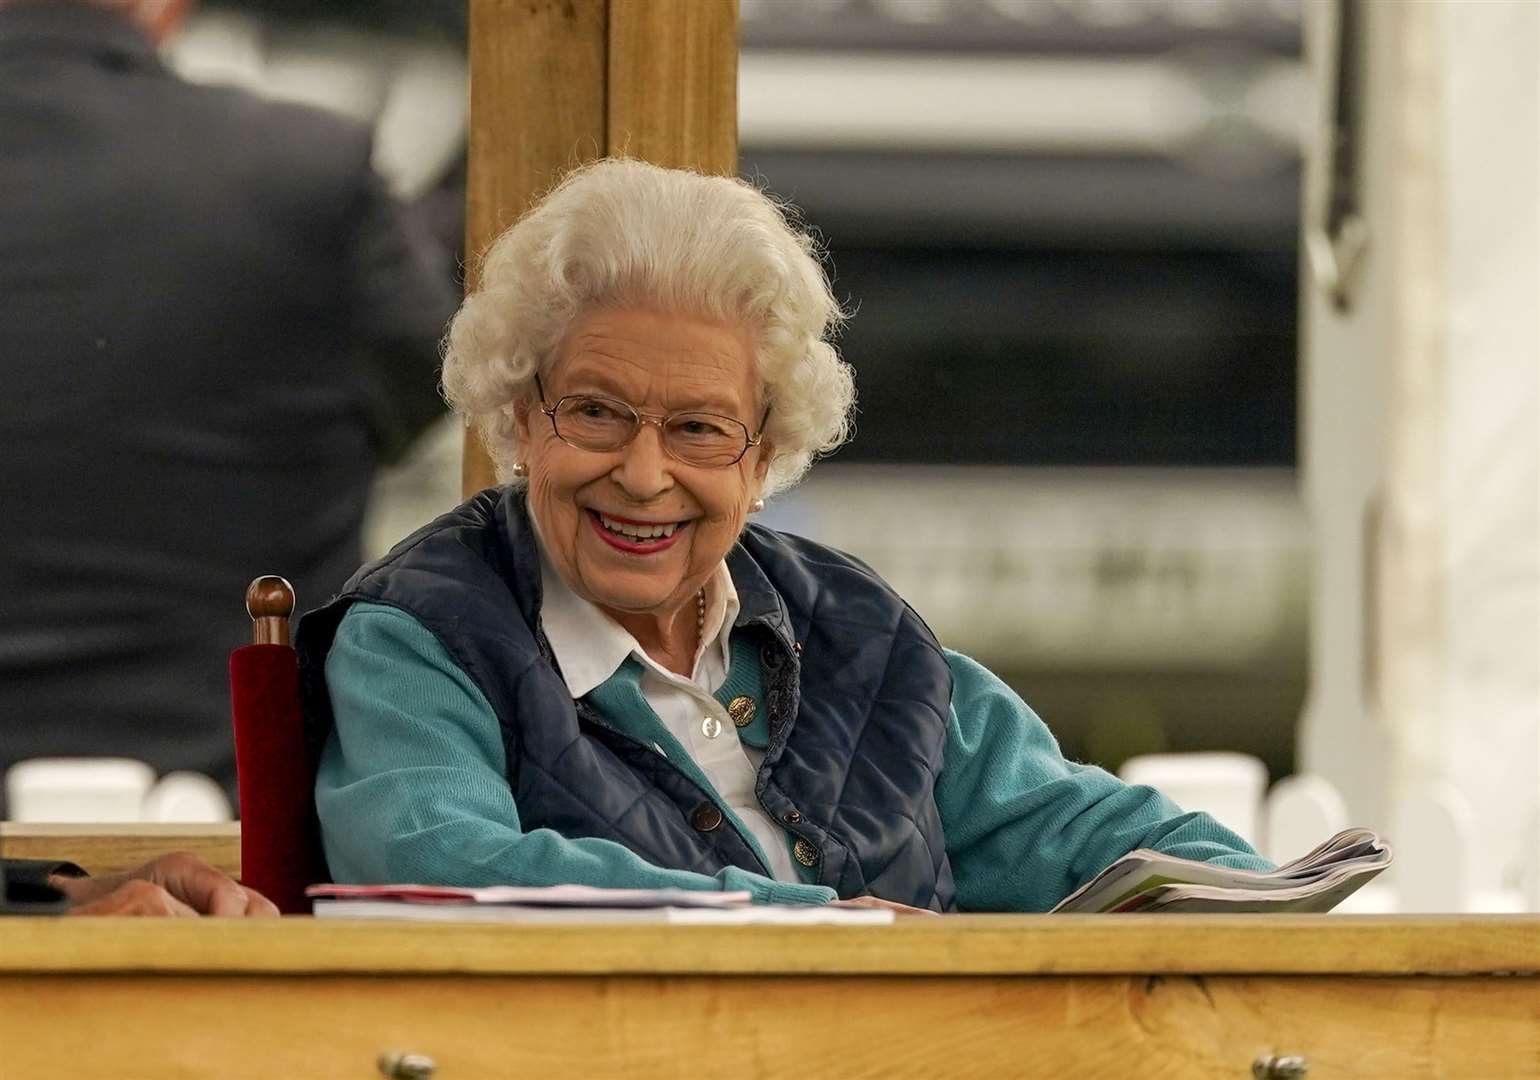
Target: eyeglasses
[{"x": 605, "y": 424}]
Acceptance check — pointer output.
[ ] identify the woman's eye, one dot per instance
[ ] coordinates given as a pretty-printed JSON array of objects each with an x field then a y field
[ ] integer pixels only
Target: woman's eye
[
  {"x": 696, "y": 427},
  {"x": 595, "y": 410}
]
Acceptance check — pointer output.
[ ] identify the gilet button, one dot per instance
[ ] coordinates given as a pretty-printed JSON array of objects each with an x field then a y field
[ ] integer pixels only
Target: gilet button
[
  {"x": 742, "y": 710},
  {"x": 792, "y": 817},
  {"x": 805, "y": 852},
  {"x": 707, "y": 816}
]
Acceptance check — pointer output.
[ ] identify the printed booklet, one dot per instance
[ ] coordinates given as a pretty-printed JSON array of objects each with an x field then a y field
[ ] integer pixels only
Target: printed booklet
[{"x": 1148, "y": 881}]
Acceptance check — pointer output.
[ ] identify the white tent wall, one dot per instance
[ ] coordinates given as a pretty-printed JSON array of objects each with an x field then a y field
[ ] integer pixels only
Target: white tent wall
[
  {"x": 1421, "y": 458},
  {"x": 1489, "y": 456}
]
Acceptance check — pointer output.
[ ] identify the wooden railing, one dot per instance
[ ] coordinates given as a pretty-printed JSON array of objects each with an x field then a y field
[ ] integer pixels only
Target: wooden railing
[{"x": 103, "y": 849}]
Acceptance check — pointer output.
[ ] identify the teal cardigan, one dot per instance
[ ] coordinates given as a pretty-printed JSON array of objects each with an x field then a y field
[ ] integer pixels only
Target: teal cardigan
[{"x": 412, "y": 787}]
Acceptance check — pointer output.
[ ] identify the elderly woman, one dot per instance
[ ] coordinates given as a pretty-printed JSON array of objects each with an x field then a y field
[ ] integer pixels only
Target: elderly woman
[{"x": 602, "y": 673}]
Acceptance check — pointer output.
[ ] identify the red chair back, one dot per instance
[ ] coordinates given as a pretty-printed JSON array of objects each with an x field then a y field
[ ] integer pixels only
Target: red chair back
[{"x": 280, "y": 836}]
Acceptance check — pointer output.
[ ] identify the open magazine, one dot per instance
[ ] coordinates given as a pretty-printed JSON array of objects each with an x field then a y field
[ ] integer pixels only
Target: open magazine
[{"x": 1149, "y": 881}]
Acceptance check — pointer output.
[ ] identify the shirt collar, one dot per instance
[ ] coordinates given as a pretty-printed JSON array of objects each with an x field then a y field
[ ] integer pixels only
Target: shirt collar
[{"x": 589, "y": 646}]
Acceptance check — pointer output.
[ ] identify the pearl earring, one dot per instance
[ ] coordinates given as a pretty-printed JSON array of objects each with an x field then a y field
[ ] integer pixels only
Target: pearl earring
[
  {"x": 756, "y": 506},
  {"x": 520, "y": 470}
]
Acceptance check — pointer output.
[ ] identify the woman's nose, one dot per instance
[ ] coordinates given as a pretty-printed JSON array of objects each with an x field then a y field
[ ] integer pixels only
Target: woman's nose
[{"x": 645, "y": 470}]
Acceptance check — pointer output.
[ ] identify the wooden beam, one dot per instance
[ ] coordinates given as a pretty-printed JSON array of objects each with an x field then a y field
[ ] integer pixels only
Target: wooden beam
[
  {"x": 673, "y": 83},
  {"x": 106, "y": 849},
  {"x": 146, "y": 1027},
  {"x": 537, "y": 109},
  {"x": 556, "y": 83},
  {"x": 913, "y": 945}
]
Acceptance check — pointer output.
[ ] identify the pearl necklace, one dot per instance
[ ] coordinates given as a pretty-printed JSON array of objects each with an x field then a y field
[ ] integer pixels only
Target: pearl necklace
[{"x": 710, "y": 726}]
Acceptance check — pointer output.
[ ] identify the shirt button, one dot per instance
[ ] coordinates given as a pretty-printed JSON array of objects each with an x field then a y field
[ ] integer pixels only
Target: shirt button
[
  {"x": 805, "y": 852},
  {"x": 742, "y": 710},
  {"x": 710, "y": 727},
  {"x": 707, "y": 816}
]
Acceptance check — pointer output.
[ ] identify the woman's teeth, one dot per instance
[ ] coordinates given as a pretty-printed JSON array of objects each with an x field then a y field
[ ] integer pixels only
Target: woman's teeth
[{"x": 638, "y": 533}]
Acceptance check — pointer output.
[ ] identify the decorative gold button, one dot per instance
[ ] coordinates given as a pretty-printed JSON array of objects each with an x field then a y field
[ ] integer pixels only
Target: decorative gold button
[
  {"x": 711, "y": 727},
  {"x": 742, "y": 710},
  {"x": 805, "y": 852}
]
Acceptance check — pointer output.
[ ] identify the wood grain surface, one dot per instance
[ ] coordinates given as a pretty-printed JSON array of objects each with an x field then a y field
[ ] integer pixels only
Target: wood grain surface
[
  {"x": 555, "y": 83},
  {"x": 951, "y": 945},
  {"x": 673, "y": 83},
  {"x": 104, "y": 849},
  {"x": 537, "y": 106},
  {"x": 538, "y": 83},
  {"x": 1180, "y": 1028}
]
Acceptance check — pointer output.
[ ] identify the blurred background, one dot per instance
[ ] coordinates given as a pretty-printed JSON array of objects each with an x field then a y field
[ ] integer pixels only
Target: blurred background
[
  {"x": 1138, "y": 426},
  {"x": 1068, "y": 235},
  {"x": 1067, "y": 231}
]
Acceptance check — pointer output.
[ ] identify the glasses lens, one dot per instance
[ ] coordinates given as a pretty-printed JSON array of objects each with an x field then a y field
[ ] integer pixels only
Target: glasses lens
[
  {"x": 594, "y": 423},
  {"x": 706, "y": 439}
]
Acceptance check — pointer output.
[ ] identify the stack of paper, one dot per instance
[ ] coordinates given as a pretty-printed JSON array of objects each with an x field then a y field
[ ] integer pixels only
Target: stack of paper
[
  {"x": 567, "y": 904},
  {"x": 1149, "y": 881}
]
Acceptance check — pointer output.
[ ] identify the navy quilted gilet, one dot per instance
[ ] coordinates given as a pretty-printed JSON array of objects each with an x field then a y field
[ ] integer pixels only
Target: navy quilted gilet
[{"x": 857, "y": 693}]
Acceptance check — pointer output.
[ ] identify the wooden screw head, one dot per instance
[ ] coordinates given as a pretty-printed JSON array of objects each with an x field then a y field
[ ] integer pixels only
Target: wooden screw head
[{"x": 270, "y": 603}]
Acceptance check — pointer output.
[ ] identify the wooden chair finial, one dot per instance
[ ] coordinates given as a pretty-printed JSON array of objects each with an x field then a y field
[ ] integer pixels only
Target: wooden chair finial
[{"x": 270, "y": 603}]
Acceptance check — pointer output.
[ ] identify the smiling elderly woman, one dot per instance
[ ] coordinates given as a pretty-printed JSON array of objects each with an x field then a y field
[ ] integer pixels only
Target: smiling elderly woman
[{"x": 600, "y": 673}]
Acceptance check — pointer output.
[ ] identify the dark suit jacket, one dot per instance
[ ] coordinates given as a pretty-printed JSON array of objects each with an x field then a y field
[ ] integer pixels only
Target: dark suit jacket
[{"x": 213, "y": 324}]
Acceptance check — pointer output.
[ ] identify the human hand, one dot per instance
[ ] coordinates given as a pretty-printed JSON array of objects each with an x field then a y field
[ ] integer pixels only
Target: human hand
[
  {"x": 878, "y": 902},
  {"x": 178, "y": 884}
]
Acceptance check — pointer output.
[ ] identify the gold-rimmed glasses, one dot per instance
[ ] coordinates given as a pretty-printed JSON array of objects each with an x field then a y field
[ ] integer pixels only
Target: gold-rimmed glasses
[{"x": 605, "y": 424}]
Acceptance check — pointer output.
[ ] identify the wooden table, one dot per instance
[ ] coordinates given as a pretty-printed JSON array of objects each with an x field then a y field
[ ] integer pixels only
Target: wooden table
[{"x": 965, "y": 996}]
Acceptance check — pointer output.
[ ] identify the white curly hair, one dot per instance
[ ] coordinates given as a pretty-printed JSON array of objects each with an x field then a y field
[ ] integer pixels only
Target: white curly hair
[{"x": 620, "y": 232}]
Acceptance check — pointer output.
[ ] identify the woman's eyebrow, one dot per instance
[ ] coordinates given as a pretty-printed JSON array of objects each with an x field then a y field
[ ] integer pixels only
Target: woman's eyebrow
[
  {"x": 594, "y": 381},
  {"x": 600, "y": 384}
]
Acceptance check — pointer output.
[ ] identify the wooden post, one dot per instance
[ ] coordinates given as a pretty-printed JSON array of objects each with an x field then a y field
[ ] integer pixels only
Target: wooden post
[
  {"x": 556, "y": 83},
  {"x": 673, "y": 83}
]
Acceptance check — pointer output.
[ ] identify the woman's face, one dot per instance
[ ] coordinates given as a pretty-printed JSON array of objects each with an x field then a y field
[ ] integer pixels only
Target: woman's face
[{"x": 586, "y": 501}]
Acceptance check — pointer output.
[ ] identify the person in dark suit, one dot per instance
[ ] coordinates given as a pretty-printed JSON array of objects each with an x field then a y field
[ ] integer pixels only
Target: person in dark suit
[
  {"x": 178, "y": 884},
  {"x": 214, "y": 324}
]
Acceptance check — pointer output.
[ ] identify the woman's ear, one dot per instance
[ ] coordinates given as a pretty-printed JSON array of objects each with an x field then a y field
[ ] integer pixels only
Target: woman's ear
[
  {"x": 522, "y": 407},
  {"x": 766, "y": 450}
]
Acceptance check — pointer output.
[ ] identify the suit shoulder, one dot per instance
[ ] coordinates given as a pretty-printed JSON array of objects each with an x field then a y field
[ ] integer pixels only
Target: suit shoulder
[{"x": 288, "y": 135}]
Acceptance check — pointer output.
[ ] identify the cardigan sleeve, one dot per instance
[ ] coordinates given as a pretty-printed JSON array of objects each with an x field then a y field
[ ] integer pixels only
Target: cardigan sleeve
[
  {"x": 1025, "y": 827},
  {"x": 412, "y": 782}
]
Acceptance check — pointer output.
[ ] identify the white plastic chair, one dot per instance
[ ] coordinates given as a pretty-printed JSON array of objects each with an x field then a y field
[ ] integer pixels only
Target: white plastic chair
[
  {"x": 1300, "y": 812},
  {"x": 77, "y": 789},
  {"x": 108, "y": 791},
  {"x": 186, "y": 797},
  {"x": 1226, "y": 786},
  {"x": 1433, "y": 834}
]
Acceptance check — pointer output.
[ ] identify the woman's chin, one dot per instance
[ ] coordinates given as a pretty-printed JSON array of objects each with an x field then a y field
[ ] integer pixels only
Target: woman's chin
[
  {"x": 635, "y": 593},
  {"x": 623, "y": 603}
]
